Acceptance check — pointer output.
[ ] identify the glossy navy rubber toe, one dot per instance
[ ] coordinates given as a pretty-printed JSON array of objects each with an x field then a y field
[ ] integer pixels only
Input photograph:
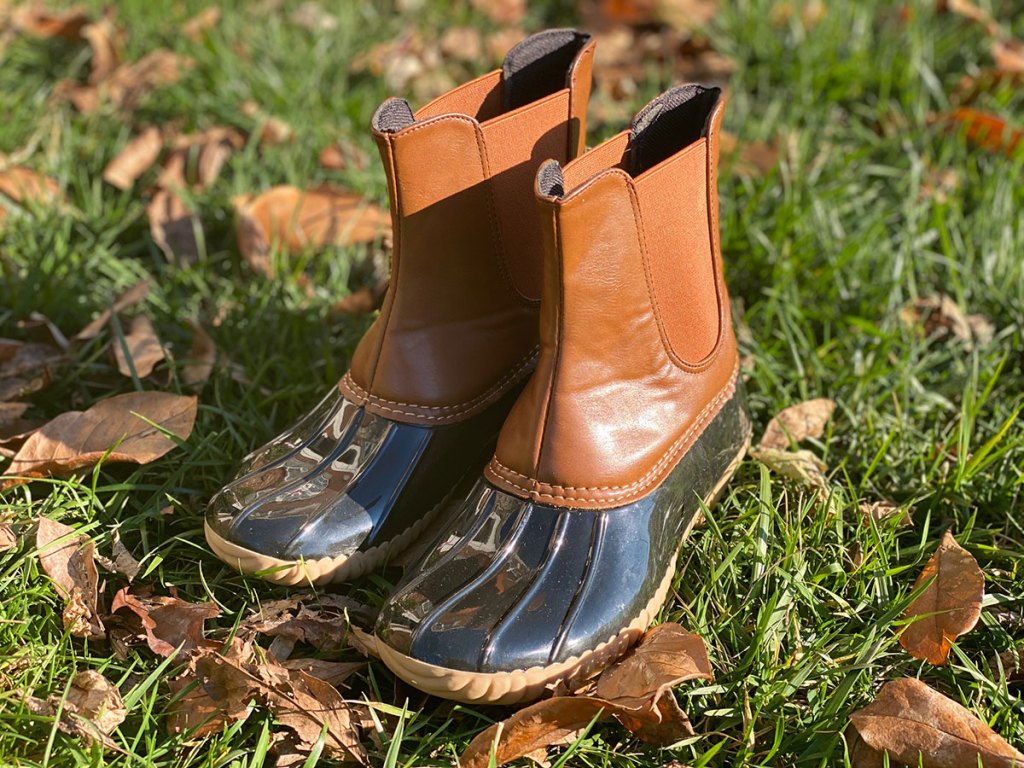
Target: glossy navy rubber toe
[
  {"x": 343, "y": 480},
  {"x": 516, "y": 584}
]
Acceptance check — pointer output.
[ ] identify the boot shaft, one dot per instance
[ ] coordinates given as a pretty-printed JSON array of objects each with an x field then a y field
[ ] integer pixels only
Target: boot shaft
[
  {"x": 636, "y": 342},
  {"x": 458, "y": 326}
]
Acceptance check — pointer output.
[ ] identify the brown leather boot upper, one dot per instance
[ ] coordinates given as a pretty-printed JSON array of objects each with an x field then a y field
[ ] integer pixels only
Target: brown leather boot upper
[
  {"x": 458, "y": 327},
  {"x": 637, "y": 348}
]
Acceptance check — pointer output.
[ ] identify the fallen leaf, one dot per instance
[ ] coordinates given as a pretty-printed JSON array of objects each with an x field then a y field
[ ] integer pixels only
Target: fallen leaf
[
  {"x": 462, "y": 44},
  {"x": 127, "y": 85},
  {"x": 919, "y": 726},
  {"x": 174, "y": 227},
  {"x": 210, "y": 149},
  {"x": 666, "y": 656},
  {"x": 96, "y": 700},
  {"x": 127, "y": 298},
  {"x": 8, "y": 539},
  {"x": 798, "y": 422},
  {"x": 195, "y": 370},
  {"x": 137, "y": 156},
  {"x": 1009, "y": 56},
  {"x": 800, "y": 466},
  {"x": 507, "y": 12},
  {"x": 312, "y": 17},
  {"x": 545, "y": 723},
  {"x": 360, "y": 302},
  {"x": 750, "y": 159},
  {"x": 333, "y": 672},
  {"x": 32, "y": 19},
  {"x": 201, "y": 23},
  {"x": 986, "y": 130},
  {"x": 321, "y": 621},
  {"x": 885, "y": 510},
  {"x": 342, "y": 155},
  {"x": 970, "y": 11},
  {"x": 123, "y": 561},
  {"x": 102, "y": 38},
  {"x": 272, "y": 130},
  {"x": 68, "y": 559},
  {"x": 119, "y": 425},
  {"x": 298, "y": 219},
  {"x": 141, "y": 349},
  {"x": 949, "y": 606},
  {"x": 214, "y": 691},
  {"x": 172, "y": 626},
  {"x": 27, "y": 367},
  {"x": 24, "y": 187},
  {"x": 940, "y": 316},
  {"x": 313, "y": 708}
]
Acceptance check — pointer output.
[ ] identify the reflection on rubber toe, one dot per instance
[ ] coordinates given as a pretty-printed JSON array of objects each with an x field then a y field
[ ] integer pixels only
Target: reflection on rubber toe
[
  {"x": 338, "y": 493},
  {"x": 520, "y": 593}
]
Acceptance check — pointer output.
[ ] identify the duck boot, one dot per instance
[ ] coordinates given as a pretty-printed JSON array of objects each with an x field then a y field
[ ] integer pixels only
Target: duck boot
[
  {"x": 564, "y": 551},
  {"x": 433, "y": 379}
]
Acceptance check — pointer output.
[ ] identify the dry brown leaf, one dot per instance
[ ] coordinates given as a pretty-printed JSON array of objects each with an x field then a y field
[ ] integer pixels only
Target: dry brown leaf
[
  {"x": 174, "y": 227},
  {"x": 128, "y": 84},
  {"x": 307, "y": 705},
  {"x": 127, "y": 298},
  {"x": 919, "y": 726},
  {"x": 333, "y": 672},
  {"x": 885, "y": 510},
  {"x": 970, "y": 11},
  {"x": 798, "y": 422},
  {"x": 940, "y": 316},
  {"x": 272, "y": 130},
  {"x": 68, "y": 559},
  {"x": 102, "y": 37},
  {"x": 137, "y": 156},
  {"x": 362, "y": 301},
  {"x": 298, "y": 219},
  {"x": 1009, "y": 56},
  {"x": 666, "y": 656},
  {"x": 949, "y": 606},
  {"x": 119, "y": 424},
  {"x": 195, "y": 370},
  {"x": 321, "y": 621},
  {"x": 462, "y": 44},
  {"x": 342, "y": 155},
  {"x": 141, "y": 349},
  {"x": 507, "y": 12},
  {"x": 171, "y": 625},
  {"x": 312, "y": 17},
  {"x": 545, "y": 723},
  {"x": 95, "y": 699},
  {"x": 122, "y": 562},
  {"x": 213, "y": 692},
  {"x": 23, "y": 187},
  {"x": 196, "y": 159},
  {"x": 750, "y": 159},
  {"x": 35, "y": 20},
  {"x": 8, "y": 539},
  {"x": 201, "y": 23},
  {"x": 800, "y": 466},
  {"x": 986, "y": 130},
  {"x": 26, "y": 367}
]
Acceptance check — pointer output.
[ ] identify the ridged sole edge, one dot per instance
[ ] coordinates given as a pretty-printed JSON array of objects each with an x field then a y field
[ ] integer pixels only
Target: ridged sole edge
[
  {"x": 523, "y": 685},
  {"x": 325, "y": 570}
]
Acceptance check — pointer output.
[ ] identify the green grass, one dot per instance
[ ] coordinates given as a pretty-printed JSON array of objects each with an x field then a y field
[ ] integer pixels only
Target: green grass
[{"x": 821, "y": 254}]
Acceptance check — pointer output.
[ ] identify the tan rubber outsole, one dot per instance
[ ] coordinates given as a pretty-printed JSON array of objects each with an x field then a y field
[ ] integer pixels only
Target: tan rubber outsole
[
  {"x": 524, "y": 685},
  {"x": 326, "y": 570}
]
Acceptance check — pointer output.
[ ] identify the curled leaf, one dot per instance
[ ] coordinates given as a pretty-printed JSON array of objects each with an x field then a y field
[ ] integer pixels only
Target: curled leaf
[
  {"x": 68, "y": 558},
  {"x": 141, "y": 349},
  {"x": 137, "y": 156},
  {"x": 171, "y": 625},
  {"x": 800, "y": 466}
]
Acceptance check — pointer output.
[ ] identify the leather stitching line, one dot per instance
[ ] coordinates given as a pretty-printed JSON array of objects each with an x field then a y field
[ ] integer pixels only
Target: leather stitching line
[
  {"x": 447, "y": 411},
  {"x": 710, "y": 410}
]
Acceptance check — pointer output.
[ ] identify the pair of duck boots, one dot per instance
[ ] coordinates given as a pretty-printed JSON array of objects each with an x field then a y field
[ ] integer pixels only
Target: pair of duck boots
[{"x": 552, "y": 383}]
